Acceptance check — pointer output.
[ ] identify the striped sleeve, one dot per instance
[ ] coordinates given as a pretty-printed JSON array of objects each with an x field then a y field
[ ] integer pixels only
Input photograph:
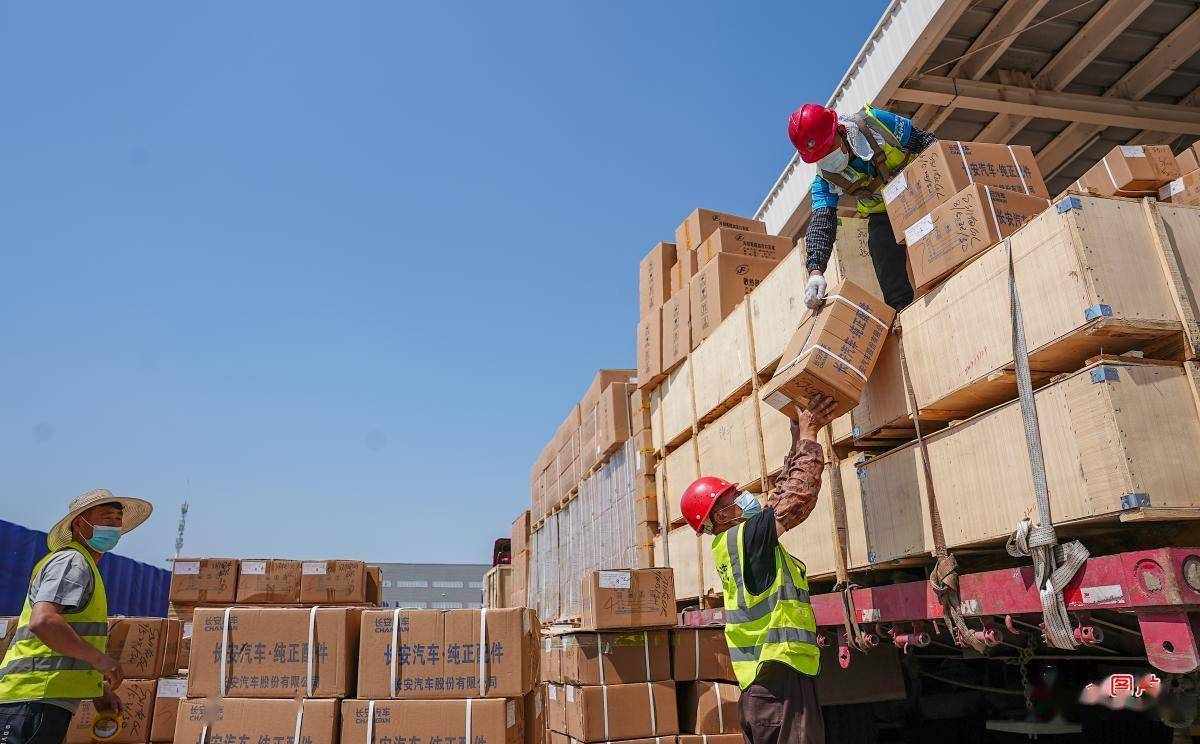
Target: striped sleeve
[{"x": 818, "y": 240}]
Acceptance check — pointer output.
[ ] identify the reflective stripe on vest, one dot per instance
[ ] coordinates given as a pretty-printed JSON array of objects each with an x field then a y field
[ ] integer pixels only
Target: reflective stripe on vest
[
  {"x": 31, "y": 670},
  {"x": 776, "y": 625}
]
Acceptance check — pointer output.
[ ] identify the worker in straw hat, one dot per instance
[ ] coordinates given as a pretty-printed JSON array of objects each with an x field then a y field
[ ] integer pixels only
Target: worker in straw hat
[
  {"x": 769, "y": 623},
  {"x": 57, "y": 654}
]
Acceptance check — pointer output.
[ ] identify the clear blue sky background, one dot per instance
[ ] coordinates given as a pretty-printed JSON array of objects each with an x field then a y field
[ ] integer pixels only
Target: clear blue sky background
[{"x": 334, "y": 272}]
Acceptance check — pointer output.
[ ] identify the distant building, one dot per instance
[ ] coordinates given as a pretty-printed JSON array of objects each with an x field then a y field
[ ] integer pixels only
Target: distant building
[{"x": 446, "y": 586}]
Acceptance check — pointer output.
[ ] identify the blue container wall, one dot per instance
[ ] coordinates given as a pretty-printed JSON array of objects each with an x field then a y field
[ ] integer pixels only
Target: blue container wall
[{"x": 133, "y": 587}]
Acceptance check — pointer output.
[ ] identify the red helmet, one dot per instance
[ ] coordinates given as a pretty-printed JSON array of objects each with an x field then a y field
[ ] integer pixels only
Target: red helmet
[
  {"x": 700, "y": 498},
  {"x": 813, "y": 130}
]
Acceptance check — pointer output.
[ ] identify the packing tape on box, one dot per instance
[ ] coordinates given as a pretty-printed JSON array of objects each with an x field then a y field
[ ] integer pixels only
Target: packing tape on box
[
  {"x": 696, "y": 635},
  {"x": 203, "y": 734},
  {"x": 1017, "y": 165},
  {"x": 819, "y": 347},
  {"x": 646, "y": 651},
  {"x": 720, "y": 710},
  {"x": 224, "y": 647},
  {"x": 995, "y": 220},
  {"x": 604, "y": 695},
  {"x": 653, "y": 713},
  {"x": 395, "y": 648},
  {"x": 482, "y": 658},
  {"x": 300, "y": 712},
  {"x": 468, "y": 736},
  {"x": 600, "y": 658},
  {"x": 371, "y": 722},
  {"x": 312, "y": 650},
  {"x": 967, "y": 168}
]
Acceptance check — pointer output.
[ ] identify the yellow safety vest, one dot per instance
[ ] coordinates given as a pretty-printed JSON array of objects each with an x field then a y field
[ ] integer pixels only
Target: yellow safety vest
[
  {"x": 888, "y": 162},
  {"x": 776, "y": 625},
  {"x": 31, "y": 670}
]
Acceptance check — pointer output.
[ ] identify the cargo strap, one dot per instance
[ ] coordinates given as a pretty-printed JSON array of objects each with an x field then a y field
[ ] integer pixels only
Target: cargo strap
[
  {"x": 312, "y": 651},
  {"x": 944, "y": 577},
  {"x": 371, "y": 722},
  {"x": 300, "y": 716},
  {"x": 1054, "y": 565},
  {"x": 838, "y": 511}
]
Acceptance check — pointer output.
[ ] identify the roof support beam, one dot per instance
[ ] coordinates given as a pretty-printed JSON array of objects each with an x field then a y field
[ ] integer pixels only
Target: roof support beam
[
  {"x": 1174, "y": 49},
  {"x": 1148, "y": 137},
  {"x": 1087, "y": 43},
  {"x": 982, "y": 55},
  {"x": 1020, "y": 101}
]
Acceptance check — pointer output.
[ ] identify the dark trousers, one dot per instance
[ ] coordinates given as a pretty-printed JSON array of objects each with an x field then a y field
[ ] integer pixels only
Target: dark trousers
[
  {"x": 33, "y": 723},
  {"x": 780, "y": 707},
  {"x": 890, "y": 262}
]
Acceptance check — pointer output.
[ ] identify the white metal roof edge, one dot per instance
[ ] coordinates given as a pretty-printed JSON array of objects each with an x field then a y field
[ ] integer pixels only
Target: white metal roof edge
[{"x": 894, "y": 39}]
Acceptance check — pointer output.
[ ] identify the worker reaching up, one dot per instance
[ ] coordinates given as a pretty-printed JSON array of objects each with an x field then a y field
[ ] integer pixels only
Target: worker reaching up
[
  {"x": 769, "y": 623},
  {"x": 856, "y": 155}
]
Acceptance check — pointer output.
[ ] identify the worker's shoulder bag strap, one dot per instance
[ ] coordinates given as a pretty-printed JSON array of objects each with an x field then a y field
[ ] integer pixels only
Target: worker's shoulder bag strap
[{"x": 868, "y": 121}]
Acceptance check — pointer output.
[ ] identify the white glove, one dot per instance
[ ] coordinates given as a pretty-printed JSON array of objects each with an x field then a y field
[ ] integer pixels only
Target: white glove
[{"x": 814, "y": 293}]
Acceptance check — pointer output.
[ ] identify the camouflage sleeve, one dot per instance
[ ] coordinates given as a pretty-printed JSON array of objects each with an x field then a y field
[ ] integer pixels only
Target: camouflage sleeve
[{"x": 794, "y": 494}]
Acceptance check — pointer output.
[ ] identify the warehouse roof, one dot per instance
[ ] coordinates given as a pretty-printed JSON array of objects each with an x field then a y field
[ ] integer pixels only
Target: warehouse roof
[{"x": 1069, "y": 78}]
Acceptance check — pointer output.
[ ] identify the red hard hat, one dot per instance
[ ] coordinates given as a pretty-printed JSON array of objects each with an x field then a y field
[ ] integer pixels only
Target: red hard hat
[
  {"x": 700, "y": 498},
  {"x": 813, "y": 130}
]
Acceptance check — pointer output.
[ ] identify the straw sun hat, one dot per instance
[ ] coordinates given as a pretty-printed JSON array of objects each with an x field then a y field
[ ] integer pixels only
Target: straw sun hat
[{"x": 135, "y": 512}]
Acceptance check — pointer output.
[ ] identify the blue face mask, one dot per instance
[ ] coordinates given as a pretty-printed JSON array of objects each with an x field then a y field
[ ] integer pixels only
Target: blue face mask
[
  {"x": 103, "y": 538},
  {"x": 748, "y": 504}
]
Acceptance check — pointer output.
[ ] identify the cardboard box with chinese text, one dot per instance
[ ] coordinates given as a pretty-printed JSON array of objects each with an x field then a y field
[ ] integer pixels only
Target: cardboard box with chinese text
[
  {"x": 742, "y": 243},
  {"x": 676, "y": 330},
  {"x": 703, "y": 222},
  {"x": 204, "y": 580},
  {"x": 137, "y": 709},
  {"x": 654, "y": 277},
  {"x": 146, "y": 647},
  {"x": 626, "y": 599},
  {"x": 169, "y": 693},
  {"x": 496, "y": 721},
  {"x": 268, "y": 581},
  {"x": 272, "y": 720},
  {"x": 333, "y": 582},
  {"x": 719, "y": 286},
  {"x": 650, "y": 349}
]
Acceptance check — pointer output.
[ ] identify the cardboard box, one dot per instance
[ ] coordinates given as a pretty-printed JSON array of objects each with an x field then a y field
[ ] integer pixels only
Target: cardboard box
[
  {"x": 854, "y": 328},
  {"x": 250, "y": 721},
  {"x": 146, "y": 647},
  {"x": 650, "y": 349},
  {"x": 708, "y": 708},
  {"x": 137, "y": 709},
  {"x": 615, "y": 658},
  {"x": 682, "y": 272},
  {"x": 168, "y": 694},
  {"x": 598, "y": 435},
  {"x": 654, "y": 277},
  {"x": 719, "y": 286},
  {"x": 964, "y": 226},
  {"x": 639, "y": 409},
  {"x": 1188, "y": 160},
  {"x": 711, "y": 739},
  {"x": 947, "y": 167},
  {"x": 633, "y": 598},
  {"x": 551, "y": 658},
  {"x": 700, "y": 654},
  {"x": 703, "y": 222},
  {"x": 333, "y": 582},
  {"x": 677, "y": 330},
  {"x": 1131, "y": 170},
  {"x": 535, "y": 715},
  {"x": 556, "y": 707},
  {"x": 268, "y": 581},
  {"x": 615, "y": 712},
  {"x": 267, "y": 652},
  {"x": 374, "y": 585},
  {"x": 1183, "y": 190},
  {"x": 8, "y": 628},
  {"x": 612, "y": 423},
  {"x": 519, "y": 540},
  {"x": 491, "y": 721},
  {"x": 439, "y": 653},
  {"x": 742, "y": 243},
  {"x": 204, "y": 580},
  {"x": 556, "y": 737}
]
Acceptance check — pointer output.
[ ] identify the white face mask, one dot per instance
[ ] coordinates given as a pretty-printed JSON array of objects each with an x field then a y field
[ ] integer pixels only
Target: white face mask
[{"x": 835, "y": 162}]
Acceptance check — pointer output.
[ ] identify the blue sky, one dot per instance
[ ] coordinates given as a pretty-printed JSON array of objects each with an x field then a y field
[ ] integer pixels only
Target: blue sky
[{"x": 334, "y": 272}]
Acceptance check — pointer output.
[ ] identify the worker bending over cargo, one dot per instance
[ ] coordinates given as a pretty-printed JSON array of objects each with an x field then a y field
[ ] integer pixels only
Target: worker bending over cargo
[
  {"x": 57, "y": 657},
  {"x": 769, "y": 623},
  {"x": 856, "y": 155}
]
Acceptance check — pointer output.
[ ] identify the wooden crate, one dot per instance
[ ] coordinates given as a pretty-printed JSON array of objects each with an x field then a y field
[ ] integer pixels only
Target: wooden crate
[
  {"x": 1108, "y": 431},
  {"x": 777, "y": 304},
  {"x": 812, "y": 540},
  {"x": 722, "y": 368},
  {"x": 731, "y": 446},
  {"x": 1089, "y": 280},
  {"x": 684, "y": 556},
  {"x": 497, "y": 587},
  {"x": 678, "y": 413},
  {"x": 656, "y": 423},
  {"x": 679, "y": 469}
]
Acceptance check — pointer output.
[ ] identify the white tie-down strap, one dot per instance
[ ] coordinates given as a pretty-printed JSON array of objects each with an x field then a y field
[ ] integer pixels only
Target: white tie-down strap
[
  {"x": 967, "y": 168},
  {"x": 646, "y": 649},
  {"x": 604, "y": 697},
  {"x": 856, "y": 308},
  {"x": 995, "y": 219},
  {"x": 1017, "y": 165},
  {"x": 299, "y": 721},
  {"x": 203, "y": 734},
  {"x": 705, "y": 738},
  {"x": 1110, "y": 173},
  {"x": 720, "y": 708},
  {"x": 828, "y": 351},
  {"x": 395, "y": 665},
  {"x": 312, "y": 651},
  {"x": 370, "y": 722},
  {"x": 468, "y": 736},
  {"x": 600, "y": 657},
  {"x": 696, "y": 635},
  {"x": 482, "y": 656},
  {"x": 653, "y": 713},
  {"x": 224, "y": 648}
]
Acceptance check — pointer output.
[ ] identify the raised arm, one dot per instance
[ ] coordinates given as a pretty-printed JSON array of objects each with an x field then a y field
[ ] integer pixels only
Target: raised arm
[{"x": 794, "y": 494}]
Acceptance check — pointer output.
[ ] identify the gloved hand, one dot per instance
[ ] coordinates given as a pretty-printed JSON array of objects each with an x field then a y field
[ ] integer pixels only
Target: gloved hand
[{"x": 814, "y": 292}]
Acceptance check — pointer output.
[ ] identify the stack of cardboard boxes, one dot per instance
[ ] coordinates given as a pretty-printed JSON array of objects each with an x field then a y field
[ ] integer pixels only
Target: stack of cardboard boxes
[
  {"x": 147, "y": 648},
  {"x": 1186, "y": 188},
  {"x": 707, "y": 689}
]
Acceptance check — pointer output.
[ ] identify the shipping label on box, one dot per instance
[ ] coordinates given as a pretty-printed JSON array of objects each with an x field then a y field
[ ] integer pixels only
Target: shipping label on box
[
  {"x": 197, "y": 580},
  {"x": 267, "y": 653},
  {"x": 137, "y": 707},
  {"x": 333, "y": 582},
  {"x": 964, "y": 226},
  {"x": 269, "y": 581},
  {"x": 169, "y": 692},
  {"x": 654, "y": 277},
  {"x": 742, "y": 243},
  {"x": 634, "y": 598},
  {"x": 947, "y": 167},
  {"x": 615, "y": 658},
  {"x": 700, "y": 653},
  {"x": 252, "y": 721},
  {"x": 703, "y": 222},
  {"x": 1184, "y": 190},
  {"x": 448, "y": 721},
  {"x": 439, "y": 653}
]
